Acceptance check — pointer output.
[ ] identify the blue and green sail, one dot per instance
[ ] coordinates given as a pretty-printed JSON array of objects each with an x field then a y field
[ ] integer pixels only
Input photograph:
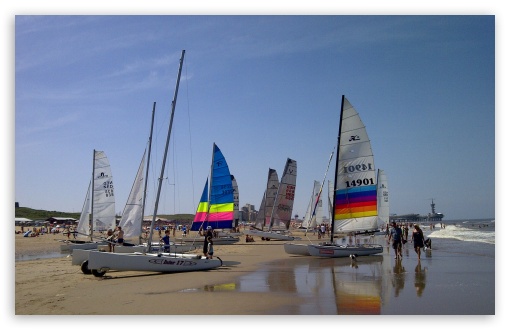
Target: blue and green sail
[{"x": 217, "y": 208}]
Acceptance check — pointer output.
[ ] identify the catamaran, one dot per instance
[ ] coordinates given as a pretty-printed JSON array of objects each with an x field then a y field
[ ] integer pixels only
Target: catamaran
[
  {"x": 102, "y": 205},
  {"x": 280, "y": 207},
  {"x": 216, "y": 207},
  {"x": 101, "y": 262},
  {"x": 355, "y": 201}
]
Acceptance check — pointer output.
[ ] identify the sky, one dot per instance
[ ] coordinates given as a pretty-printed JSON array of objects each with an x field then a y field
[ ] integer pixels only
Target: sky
[{"x": 263, "y": 88}]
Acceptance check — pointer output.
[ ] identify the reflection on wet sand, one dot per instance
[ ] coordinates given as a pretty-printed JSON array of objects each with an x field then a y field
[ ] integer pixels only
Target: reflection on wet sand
[
  {"x": 323, "y": 286},
  {"x": 398, "y": 279},
  {"x": 419, "y": 279}
]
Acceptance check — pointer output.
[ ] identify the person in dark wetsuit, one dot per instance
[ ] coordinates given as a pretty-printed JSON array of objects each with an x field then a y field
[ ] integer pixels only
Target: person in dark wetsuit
[
  {"x": 418, "y": 240},
  {"x": 207, "y": 234}
]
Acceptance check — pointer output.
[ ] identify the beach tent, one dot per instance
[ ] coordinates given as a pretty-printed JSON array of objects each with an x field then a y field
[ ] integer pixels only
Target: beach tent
[{"x": 22, "y": 221}]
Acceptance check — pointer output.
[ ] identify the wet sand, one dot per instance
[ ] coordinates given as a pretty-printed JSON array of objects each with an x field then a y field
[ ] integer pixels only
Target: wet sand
[{"x": 261, "y": 279}]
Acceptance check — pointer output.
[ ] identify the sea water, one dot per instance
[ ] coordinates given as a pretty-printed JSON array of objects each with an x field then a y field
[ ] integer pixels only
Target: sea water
[
  {"x": 476, "y": 237},
  {"x": 457, "y": 276}
]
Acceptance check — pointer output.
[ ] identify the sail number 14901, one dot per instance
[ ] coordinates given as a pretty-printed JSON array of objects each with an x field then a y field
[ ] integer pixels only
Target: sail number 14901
[{"x": 360, "y": 182}]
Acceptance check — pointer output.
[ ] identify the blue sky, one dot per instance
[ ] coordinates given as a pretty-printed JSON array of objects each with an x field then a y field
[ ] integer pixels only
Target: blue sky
[{"x": 263, "y": 88}]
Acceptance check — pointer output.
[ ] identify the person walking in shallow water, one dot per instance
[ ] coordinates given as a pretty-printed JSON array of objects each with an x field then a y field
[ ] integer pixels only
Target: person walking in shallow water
[
  {"x": 418, "y": 239},
  {"x": 396, "y": 236}
]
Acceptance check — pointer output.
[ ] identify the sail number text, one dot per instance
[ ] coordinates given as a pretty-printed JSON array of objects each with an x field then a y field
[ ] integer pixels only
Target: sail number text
[
  {"x": 108, "y": 188},
  {"x": 289, "y": 193},
  {"x": 359, "y": 182},
  {"x": 358, "y": 168}
]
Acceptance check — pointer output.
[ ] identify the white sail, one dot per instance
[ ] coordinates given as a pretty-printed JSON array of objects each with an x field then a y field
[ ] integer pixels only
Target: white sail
[
  {"x": 131, "y": 221},
  {"x": 266, "y": 206},
  {"x": 355, "y": 200},
  {"x": 83, "y": 227},
  {"x": 317, "y": 219},
  {"x": 331, "y": 194},
  {"x": 236, "y": 201},
  {"x": 309, "y": 221},
  {"x": 383, "y": 200},
  {"x": 282, "y": 209},
  {"x": 103, "y": 211}
]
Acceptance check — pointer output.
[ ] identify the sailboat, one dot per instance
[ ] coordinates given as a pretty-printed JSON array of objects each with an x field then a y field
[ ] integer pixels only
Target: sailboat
[
  {"x": 102, "y": 205},
  {"x": 281, "y": 210},
  {"x": 101, "y": 262},
  {"x": 132, "y": 218},
  {"x": 355, "y": 200},
  {"x": 234, "y": 231},
  {"x": 302, "y": 249},
  {"x": 266, "y": 205},
  {"x": 309, "y": 221},
  {"x": 216, "y": 206}
]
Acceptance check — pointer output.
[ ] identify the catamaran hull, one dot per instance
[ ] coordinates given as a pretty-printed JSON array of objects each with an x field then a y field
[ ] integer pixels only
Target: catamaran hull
[
  {"x": 70, "y": 247},
  {"x": 80, "y": 255},
  {"x": 338, "y": 251},
  {"x": 216, "y": 240},
  {"x": 272, "y": 235},
  {"x": 296, "y": 249},
  {"x": 150, "y": 262}
]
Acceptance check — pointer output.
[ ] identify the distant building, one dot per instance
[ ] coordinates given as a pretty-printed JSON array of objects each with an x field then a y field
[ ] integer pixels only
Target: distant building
[
  {"x": 248, "y": 213},
  {"x": 62, "y": 221}
]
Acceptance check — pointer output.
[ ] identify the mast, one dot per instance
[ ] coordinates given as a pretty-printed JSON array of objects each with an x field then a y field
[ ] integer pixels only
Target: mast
[
  {"x": 336, "y": 171},
  {"x": 147, "y": 172},
  {"x": 210, "y": 188},
  {"x": 174, "y": 101},
  {"x": 91, "y": 219}
]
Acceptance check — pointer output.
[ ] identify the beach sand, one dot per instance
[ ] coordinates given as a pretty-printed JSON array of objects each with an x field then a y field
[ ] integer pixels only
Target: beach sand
[{"x": 260, "y": 279}]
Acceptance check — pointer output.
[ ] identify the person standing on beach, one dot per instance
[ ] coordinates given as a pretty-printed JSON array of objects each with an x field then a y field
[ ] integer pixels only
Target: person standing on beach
[
  {"x": 210, "y": 248},
  {"x": 208, "y": 235},
  {"x": 418, "y": 239},
  {"x": 120, "y": 235},
  {"x": 396, "y": 236},
  {"x": 111, "y": 243}
]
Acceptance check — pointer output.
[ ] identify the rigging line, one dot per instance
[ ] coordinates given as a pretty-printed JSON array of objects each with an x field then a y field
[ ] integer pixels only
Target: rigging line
[
  {"x": 189, "y": 129},
  {"x": 174, "y": 169}
]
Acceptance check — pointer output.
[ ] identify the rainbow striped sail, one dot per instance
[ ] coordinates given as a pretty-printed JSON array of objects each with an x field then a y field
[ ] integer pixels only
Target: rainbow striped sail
[
  {"x": 216, "y": 208},
  {"x": 355, "y": 202}
]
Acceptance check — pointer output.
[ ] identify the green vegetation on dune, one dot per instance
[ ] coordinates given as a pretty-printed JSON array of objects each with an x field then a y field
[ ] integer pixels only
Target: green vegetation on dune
[{"x": 33, "y": 214}]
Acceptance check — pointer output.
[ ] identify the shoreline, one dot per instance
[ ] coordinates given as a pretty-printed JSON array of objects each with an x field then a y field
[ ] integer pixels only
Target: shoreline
[{"x": 259, "y": 279}]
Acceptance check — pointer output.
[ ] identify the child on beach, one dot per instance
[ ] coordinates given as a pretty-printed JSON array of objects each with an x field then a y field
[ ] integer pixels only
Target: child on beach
[{"x": 166, "y": 240}]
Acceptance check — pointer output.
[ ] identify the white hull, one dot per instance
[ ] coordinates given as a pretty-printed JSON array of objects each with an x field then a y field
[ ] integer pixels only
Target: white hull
[
  {"x": 151, "y": 262},
  {"x": 155, "y": 247},
  {"x": 296, "y": 249},
  {"x": 272, "y": 235},
  {"x": 70, "y": 247},
  {"x": 80, "y": 255},
  {"x": 338, "y": 251}
]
